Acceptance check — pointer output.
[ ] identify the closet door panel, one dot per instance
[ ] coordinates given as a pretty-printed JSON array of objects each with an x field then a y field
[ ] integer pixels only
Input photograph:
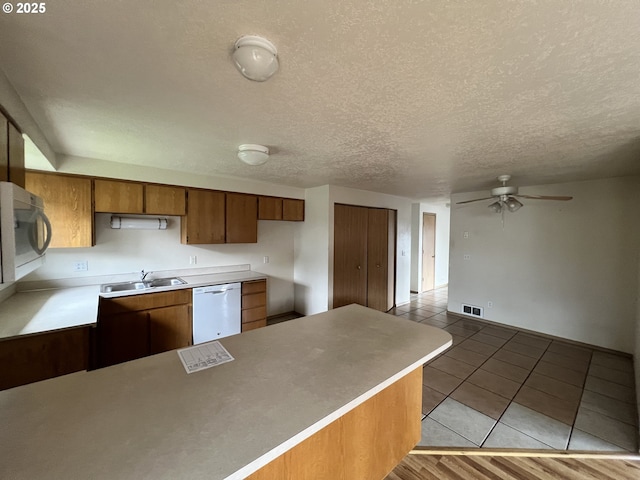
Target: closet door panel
[
  {"x": 377, "y": 262},
  {"x": 350, "y": 255}
]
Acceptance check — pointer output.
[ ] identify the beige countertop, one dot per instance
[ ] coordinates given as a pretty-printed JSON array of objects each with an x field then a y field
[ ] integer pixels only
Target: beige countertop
[
  {"x": 149, "y": 419},
  {"x": 40, "y": 311},
  {"x": 194, "y": 281},
  {"x": 44, "y": 310}
]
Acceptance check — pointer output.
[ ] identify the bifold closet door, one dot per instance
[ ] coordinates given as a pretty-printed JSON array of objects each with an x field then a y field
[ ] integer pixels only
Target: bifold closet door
[
  {"x": 350, "y": 255},
  {"x": 377, "y": 258}
]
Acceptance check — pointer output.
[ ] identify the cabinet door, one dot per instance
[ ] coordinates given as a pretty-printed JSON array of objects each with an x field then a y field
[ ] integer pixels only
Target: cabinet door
[
  {"x": 269, "y": 208},
  {"x": 112, "y": 196},
  {"x": 32, "y": 358},
  {"x": 164, "y": 200},
  {"x": 242, "y": 218},
  {"x": 170, "y": 328},
  {"x": 377, "y": 263},
  {"x": 350, "y": 255},
  {"x": 67, "y": 203},
  {"x": 4, "y": 149},
  {"x": 16, "y": 156},
  {"x": 122, "y": 337},
  {"x": 205, "y": 219},
  {"x": 292, "y": 210}
]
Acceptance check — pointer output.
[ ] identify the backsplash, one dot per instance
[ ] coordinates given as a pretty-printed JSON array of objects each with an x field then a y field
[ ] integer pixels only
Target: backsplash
[{"x": 123, "y": 253}]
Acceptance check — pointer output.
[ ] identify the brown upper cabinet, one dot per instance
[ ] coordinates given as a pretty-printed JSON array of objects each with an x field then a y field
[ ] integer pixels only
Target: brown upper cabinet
[
  {"x": 164, "y": 200},
  {"x": 67, "y": 203},
  {"x": 16, "y": 156},
  {"x": 112, "y": 196},
  {"x": 269, "y": 208},
  {"x": 242, "y": 218},
  {"x": 11, "y": 153},
  {"x": 275, "y": 208},
  {"x": 205, "y": 219},
  {"x": 292, "y": 210}
]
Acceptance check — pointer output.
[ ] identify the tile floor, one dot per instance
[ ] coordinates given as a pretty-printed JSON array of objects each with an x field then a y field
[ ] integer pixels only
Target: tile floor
[{"x": 502, "y": 388}]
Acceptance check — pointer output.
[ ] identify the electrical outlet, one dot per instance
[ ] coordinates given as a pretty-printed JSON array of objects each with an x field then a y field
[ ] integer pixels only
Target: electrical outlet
[
  {"x": 489, "y": 304},
  {"x": 193, "y": 260},
  {"x": 265, "y": 259},
  {"x": 466, "y": 235},
  {"x": 467, "y": 256},
  {"x": 81, "y": 266}
]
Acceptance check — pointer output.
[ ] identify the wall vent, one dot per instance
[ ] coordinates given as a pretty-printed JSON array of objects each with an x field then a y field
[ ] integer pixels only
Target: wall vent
[{"x": 472, "y": 310}]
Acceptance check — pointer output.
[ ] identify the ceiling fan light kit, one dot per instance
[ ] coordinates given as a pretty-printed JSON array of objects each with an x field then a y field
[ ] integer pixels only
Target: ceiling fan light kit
[
  {"x": 255, "y": 57},
  {"x": 506, "y": 197}
]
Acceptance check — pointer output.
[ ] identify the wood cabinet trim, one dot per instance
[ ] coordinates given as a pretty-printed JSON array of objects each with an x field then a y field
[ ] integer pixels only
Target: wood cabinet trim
[
  {"x": 144, "y": 301},
  {"x": 31, "y": 358},
  {"x": 254, "y": 286}
]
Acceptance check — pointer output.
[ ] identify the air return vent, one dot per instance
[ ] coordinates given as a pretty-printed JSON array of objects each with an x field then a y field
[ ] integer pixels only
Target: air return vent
[{"x": 472, "y": 310}]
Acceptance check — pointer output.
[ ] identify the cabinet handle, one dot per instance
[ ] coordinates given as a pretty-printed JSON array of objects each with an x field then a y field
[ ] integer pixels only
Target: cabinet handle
[
  {"x": 358, "y": 267},
  {"x": 378, "y": 265}
]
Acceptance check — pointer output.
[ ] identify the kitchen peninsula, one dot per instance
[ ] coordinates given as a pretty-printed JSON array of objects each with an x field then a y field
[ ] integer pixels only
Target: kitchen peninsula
[{"x": 333, "y": 395}]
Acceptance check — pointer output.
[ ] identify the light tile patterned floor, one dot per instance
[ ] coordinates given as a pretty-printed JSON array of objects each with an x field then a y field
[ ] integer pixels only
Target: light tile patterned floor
[{"x": 502, "y": 388}]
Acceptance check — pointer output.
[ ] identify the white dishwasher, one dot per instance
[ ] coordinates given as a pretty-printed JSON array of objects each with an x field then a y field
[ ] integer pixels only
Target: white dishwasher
[{"x": 216, "y": 312}]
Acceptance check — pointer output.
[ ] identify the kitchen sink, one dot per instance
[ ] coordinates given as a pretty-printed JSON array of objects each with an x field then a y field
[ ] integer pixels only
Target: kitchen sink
[
  {"x": 165, "y": 282},
  {"x": 126, "y": 286}
]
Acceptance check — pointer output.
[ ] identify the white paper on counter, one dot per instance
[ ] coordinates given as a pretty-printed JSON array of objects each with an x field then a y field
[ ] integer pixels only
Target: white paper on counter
[{"x": 203, "y": 356}]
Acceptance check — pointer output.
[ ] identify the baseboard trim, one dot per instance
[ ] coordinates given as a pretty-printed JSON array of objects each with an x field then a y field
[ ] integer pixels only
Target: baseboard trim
[
  {"x": 545, "y": 335},
  {"x": 510, "y": 452}
]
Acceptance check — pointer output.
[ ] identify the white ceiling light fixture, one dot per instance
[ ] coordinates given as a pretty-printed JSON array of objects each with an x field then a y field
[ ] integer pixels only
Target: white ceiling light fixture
[
  {"x": 255, "y": 57},
  {"x": 253, "y": 154}
]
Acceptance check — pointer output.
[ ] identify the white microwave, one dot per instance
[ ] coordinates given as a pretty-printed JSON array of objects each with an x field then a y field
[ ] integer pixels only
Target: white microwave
[{"x": 25, "y": 232}]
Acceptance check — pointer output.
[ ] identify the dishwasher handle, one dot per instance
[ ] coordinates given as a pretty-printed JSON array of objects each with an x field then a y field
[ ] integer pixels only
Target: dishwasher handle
[{"x": 216, "y": 289}]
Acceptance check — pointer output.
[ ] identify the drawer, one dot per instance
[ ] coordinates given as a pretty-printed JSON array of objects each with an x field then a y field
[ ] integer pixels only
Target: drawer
[
  {"x": 253, "y": 325},
  {"x": 144, "y": 301},
  {"x": 254, "y": 287},
  {"x": 254, "y": 300},
  {"x": 254, "y": 314}
]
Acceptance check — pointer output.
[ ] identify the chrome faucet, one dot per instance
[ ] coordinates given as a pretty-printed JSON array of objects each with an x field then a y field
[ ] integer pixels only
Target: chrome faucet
[{"x": 143, "y": 275}]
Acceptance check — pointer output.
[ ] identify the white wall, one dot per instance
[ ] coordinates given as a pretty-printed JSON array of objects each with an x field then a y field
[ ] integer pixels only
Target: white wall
[
  {"x": 129, "y": 251},
  {"x": 442, "y": 212},
  {"x": 563, "y": 268},
  {"x": 13, "y": 105},
  {"x": 314, "y": 244},
  {"x": 311, "y": 247}
]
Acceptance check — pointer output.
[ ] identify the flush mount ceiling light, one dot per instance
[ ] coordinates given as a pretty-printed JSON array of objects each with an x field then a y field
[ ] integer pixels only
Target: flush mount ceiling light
[
  {"x": 255, "y": 57},
  {"x": 253, "y": 154}
]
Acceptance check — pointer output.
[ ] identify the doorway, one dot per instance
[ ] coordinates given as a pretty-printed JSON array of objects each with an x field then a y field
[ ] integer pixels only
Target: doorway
[{"x": 428, "y": 251}]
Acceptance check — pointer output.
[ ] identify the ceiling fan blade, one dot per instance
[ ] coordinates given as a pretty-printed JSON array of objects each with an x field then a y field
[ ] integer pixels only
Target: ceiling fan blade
[
  {"x": 544, "y": 197},
  {"x": 476, "y": 200}
]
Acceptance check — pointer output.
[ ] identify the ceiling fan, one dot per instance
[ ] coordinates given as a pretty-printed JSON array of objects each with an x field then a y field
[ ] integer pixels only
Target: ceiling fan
[{"x": 506, "y": 197}]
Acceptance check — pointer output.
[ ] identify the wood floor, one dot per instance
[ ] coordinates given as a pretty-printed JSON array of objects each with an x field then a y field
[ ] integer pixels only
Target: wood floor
[{"x": 499, "y": 466}]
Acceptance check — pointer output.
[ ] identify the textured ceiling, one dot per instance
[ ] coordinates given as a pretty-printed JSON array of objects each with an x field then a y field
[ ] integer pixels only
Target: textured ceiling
[{"x": 413, "y": 98}]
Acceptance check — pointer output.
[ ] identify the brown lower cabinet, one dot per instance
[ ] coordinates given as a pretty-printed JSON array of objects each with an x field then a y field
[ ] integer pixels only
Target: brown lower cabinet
[
  {"x": 254, "y": 305},
  {"x": 31, "y": 358},
  {"x": 140, "y": 325}
]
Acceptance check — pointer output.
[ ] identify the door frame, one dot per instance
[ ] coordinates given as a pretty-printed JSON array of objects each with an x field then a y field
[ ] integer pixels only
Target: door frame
[{"x": 423, "y": 257}]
